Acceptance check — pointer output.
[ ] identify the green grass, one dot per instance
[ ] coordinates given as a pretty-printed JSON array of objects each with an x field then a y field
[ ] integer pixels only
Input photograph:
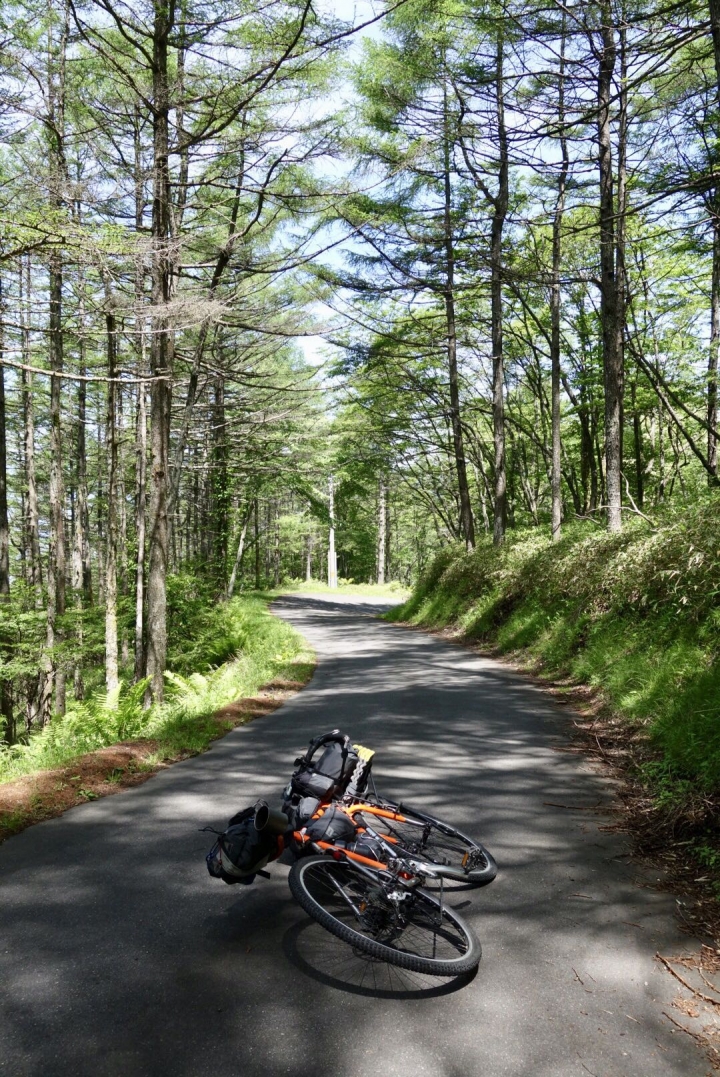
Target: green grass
[
  {"x": 393, "y": 591},
  {"x": 239, "y": 647},
  {"x": 634, "y": 615}
]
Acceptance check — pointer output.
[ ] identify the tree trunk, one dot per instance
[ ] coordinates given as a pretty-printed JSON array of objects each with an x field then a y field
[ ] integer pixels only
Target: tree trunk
[
  {"x": 220, "y": 485},
  {"x": 7, "y": 715},
  {"x": 276, "y": 550},
  {"x": 638, "y": 446},
  {"x": 4, "y": 522},
  {"x": 55, "y": 131},
  {"x": 382, "y": 491},
  {"x": 160, "y": 356},
  {"x": 53, "y": 668},
  {"x": 332, "y": 558},
  {"x": 714, "y": 8},
  {"x": 712, "y": 384},
  {"x": 140, "y": 496},
  {"x": 556, "y": 477},
  {"x": 256, "y": 521},
  {"x": 33, "y": 516},
  {"x": 81, "y": 569},
  {"x": 496, "y": 298},
  {"x": 712, "y": 390},
  {"x": 122, "y": 515},
  {"x": 466, "y": 514},
  {"x": 240, "y": 552},
  {"x": 609, "y": 313},
  {"x": 111, "y": 544}
]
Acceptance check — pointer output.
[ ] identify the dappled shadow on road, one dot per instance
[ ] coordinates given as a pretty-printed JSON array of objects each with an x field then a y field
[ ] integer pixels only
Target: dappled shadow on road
[
  {"x": 122, "y": 957},
  {"x": 317, "y": 954}
]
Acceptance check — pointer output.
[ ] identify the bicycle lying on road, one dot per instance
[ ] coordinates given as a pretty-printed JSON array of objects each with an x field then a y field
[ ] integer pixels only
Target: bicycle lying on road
[
  {"x": 363, "y": 864},
  {"x": 343, "y": 777}
]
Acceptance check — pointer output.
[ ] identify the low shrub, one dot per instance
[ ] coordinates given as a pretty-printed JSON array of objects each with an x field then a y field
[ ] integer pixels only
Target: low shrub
[
  {"x": 634, "y": 614},
  {"x": 231, "y": 651}
]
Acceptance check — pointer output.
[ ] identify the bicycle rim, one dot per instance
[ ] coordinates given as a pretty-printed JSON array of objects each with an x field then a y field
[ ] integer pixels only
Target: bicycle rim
[
  {"x": 464, "y": 859},
  {"x": 424, "y": 937}
]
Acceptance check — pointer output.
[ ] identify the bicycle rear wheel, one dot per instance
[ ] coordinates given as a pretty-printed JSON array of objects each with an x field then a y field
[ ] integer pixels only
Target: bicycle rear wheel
[
  {"x": 427, "y": 838},
  {"x": 416, "y": 932}
]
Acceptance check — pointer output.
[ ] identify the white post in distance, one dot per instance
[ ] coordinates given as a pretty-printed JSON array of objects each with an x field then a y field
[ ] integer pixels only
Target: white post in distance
[{"x": 332, "y": 558}]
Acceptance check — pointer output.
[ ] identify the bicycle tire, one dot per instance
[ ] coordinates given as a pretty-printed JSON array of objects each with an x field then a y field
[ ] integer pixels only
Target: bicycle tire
[
  {"x": 444, "y": 845},
  {"x": 311, "y": 887}
]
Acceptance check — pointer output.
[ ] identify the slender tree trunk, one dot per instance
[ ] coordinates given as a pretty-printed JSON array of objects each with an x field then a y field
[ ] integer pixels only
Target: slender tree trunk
[
  {"x": 662, "y": 478},
  {"x": 638, "y": 447},
  {"x": 220, "y": 485},
  {"x": 496, "y": 300},
  {"x": 7, "y": 715},
  {"x": 381, "y": 558},
  {"x": 712, "y": 390},
  {"x": 140, "y": 497},
  {"x": 308, "y": 558},
  {"x": 466, "y": 514},
  {"x": 256, "y": 522},
  {"x": 240, "y": 552},
  {"x": 111, "y": 545},
  {"x": 276, "y": 551},
  {"x": 31, "y": 501},
  {"x": 54, "y": 671},
  {"x": 714, "y": 9},
  {"x": 556, "y": 478},
  {"x": 609, "y": 313},
  {"x": 621, "y": 210},
  {"x": 712, "y": 384},
  {"x": 160, "y": 355},
  {"x": 332, "y": 557},
  {"x": 55, "y": 129},
  {"x": 141, "y": 418},
  {"x": 122, "y": 515},
  {"x": 100, "y": 512},
  {"x": 81, "y": 570},
  {"x": 4, "y": 522},
  {"x": 223, "y": 260}
]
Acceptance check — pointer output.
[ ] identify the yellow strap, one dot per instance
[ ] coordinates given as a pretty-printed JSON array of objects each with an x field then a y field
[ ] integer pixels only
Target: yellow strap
[{"x": 364, "y": 753}]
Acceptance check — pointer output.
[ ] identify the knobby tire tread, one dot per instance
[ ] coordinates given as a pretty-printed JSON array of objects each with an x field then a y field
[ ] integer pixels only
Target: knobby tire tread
[{"x": 411, "y": 962}]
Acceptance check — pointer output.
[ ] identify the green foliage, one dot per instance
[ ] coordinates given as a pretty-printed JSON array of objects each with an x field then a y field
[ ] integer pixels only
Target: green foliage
[
  {"x": 262, "y": 647},
  {"x": 634, "y": 615}
]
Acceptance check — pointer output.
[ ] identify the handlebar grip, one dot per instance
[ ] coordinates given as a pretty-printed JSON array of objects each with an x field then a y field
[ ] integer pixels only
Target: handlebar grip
[{"x": 326, "y": 738}]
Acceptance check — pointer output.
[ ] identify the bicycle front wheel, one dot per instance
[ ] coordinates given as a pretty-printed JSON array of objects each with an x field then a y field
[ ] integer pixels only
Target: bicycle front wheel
[
  {"x": 416, "y": 932},
  {"x": 457, "y": 856}
]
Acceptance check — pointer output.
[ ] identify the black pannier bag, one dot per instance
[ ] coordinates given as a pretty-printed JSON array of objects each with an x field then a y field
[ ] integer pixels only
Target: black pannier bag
[
  {"x": 370, "y": 848},
  {"x": 241, "y": 850},
  {"x": 333, "y": 825},
  {"x": 329, "y": 775},
  {"x": 303, "y": 811}
]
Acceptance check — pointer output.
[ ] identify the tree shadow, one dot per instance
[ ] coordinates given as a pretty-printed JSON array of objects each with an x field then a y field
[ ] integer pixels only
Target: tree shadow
[{"x": 329, "y": 961}]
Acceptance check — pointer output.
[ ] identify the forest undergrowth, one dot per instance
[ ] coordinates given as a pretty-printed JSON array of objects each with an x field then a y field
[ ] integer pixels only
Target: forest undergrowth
[
  {"x": 219, "y": 653},
  {"x": 632, "y": 619}
]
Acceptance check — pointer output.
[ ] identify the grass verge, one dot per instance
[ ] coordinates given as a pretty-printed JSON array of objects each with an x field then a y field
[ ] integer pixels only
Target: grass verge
[
  {"x": 393, "y": 591},
  {"x": 104, "y": 745},
  {"x": 626, "y": 625}
]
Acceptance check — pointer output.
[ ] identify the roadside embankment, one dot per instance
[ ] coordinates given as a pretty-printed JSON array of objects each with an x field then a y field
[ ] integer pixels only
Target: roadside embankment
[
  {"x": 633, "y": 616},
  {"x": 238, "y": 662}
]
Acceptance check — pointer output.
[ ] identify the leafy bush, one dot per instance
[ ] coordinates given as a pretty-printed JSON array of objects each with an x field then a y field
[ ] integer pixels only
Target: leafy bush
[
  {"x": 635, "y": 615},
  {"x": 262, "y": 648}
]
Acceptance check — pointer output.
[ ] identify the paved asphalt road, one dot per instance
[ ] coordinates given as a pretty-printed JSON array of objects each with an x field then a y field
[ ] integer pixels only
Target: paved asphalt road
[{"x": 120, "y": 957}]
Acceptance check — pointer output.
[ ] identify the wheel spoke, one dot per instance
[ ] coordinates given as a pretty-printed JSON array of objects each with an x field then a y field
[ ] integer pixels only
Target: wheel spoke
[{"x": 419, "y": 930}]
